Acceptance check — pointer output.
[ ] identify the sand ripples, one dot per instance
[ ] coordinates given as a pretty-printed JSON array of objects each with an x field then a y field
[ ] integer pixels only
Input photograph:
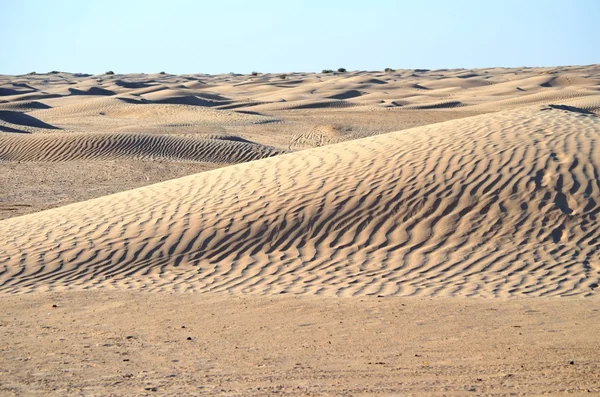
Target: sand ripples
[
  {"x": 69, "y": 147},
  {"x": 493, "y": 205}
]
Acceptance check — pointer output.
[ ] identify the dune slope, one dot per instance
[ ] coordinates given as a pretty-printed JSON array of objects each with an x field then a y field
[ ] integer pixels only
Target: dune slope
[{"x": 503, "y": 204}]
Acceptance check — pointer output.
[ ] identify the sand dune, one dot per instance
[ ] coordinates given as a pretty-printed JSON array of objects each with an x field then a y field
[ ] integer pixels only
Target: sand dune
[
  {"x": 22, "y": 121},
  {"x": 588, "y": 103},
  {"x": 435, "y": 105},
  {"x": 538, "y": 98},
  {"x": 499, "y": 201},
  {"x": 496, "y": 205},
  {"x": 70, "y": 147},
  {"x": 91, "y": 91},
  {"x": 122, "y": 112},
  {"x": 23, "y": 106}
]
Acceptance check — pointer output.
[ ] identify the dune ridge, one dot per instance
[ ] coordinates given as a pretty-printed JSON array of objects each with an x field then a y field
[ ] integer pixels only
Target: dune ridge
[
  {"x": 497, "y": 205},
  {"x": 492, "y": 89}
]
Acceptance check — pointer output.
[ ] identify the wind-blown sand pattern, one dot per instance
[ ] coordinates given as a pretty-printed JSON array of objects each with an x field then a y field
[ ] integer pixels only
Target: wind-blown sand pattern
[{"x": 494, "y": 205}]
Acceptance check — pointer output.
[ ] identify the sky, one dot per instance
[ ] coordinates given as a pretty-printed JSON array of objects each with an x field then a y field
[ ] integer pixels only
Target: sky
[{"x": 221, "y": 36}]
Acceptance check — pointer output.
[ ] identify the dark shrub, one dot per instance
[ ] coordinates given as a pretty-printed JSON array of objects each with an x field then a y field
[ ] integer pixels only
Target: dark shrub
[
  {"x": 341, "y": 70},
  {"x": 110, "y": 72},
  {"x": 327, "y": 71}
]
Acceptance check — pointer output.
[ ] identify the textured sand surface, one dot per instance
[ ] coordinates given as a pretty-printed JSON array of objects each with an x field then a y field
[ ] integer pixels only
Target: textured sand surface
[
  {"x": 502, "y": 204},
  {"x": 347, "y": 194},
  {"x": 129, "y": 343}
]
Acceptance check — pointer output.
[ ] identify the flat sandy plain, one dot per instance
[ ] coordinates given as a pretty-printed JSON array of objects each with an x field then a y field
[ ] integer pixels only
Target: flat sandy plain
[{"x": 410, "y": 232}]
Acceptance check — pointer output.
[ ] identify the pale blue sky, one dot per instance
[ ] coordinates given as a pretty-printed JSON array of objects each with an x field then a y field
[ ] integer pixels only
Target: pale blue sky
[{"x": 187, "y": 36}]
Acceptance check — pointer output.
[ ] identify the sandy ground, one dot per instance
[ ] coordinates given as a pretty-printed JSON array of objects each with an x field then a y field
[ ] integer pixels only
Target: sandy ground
[
  {"x": 126, "y": 343},
  {"x": 29, "y": 187},
  {"x": 409, "y": 232}
]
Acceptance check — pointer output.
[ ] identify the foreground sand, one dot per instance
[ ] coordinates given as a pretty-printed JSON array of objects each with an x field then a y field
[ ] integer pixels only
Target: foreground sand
[
  {"x": 125, "y": 343},
  {"x": 438, "y": 234}
]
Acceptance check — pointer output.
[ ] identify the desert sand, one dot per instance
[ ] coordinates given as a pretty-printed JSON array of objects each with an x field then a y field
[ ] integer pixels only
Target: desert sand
[{"x": 413, "y": 231}]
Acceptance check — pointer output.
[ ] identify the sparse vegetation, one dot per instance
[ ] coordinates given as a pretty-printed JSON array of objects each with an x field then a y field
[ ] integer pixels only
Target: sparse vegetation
[
  {"x": 110, "y": 72},
  {"x": 327, "y": 71},
  {"x": 255, "y": 73},
  {"x": 389, "y": 70},
  {"x": 162, "y": 73},
  {"x": 31, "y": 74},
  {"x": 54, "y": 72},
  {"x": 283, "y": 76},
  {"x": 341, "y": 70}
]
